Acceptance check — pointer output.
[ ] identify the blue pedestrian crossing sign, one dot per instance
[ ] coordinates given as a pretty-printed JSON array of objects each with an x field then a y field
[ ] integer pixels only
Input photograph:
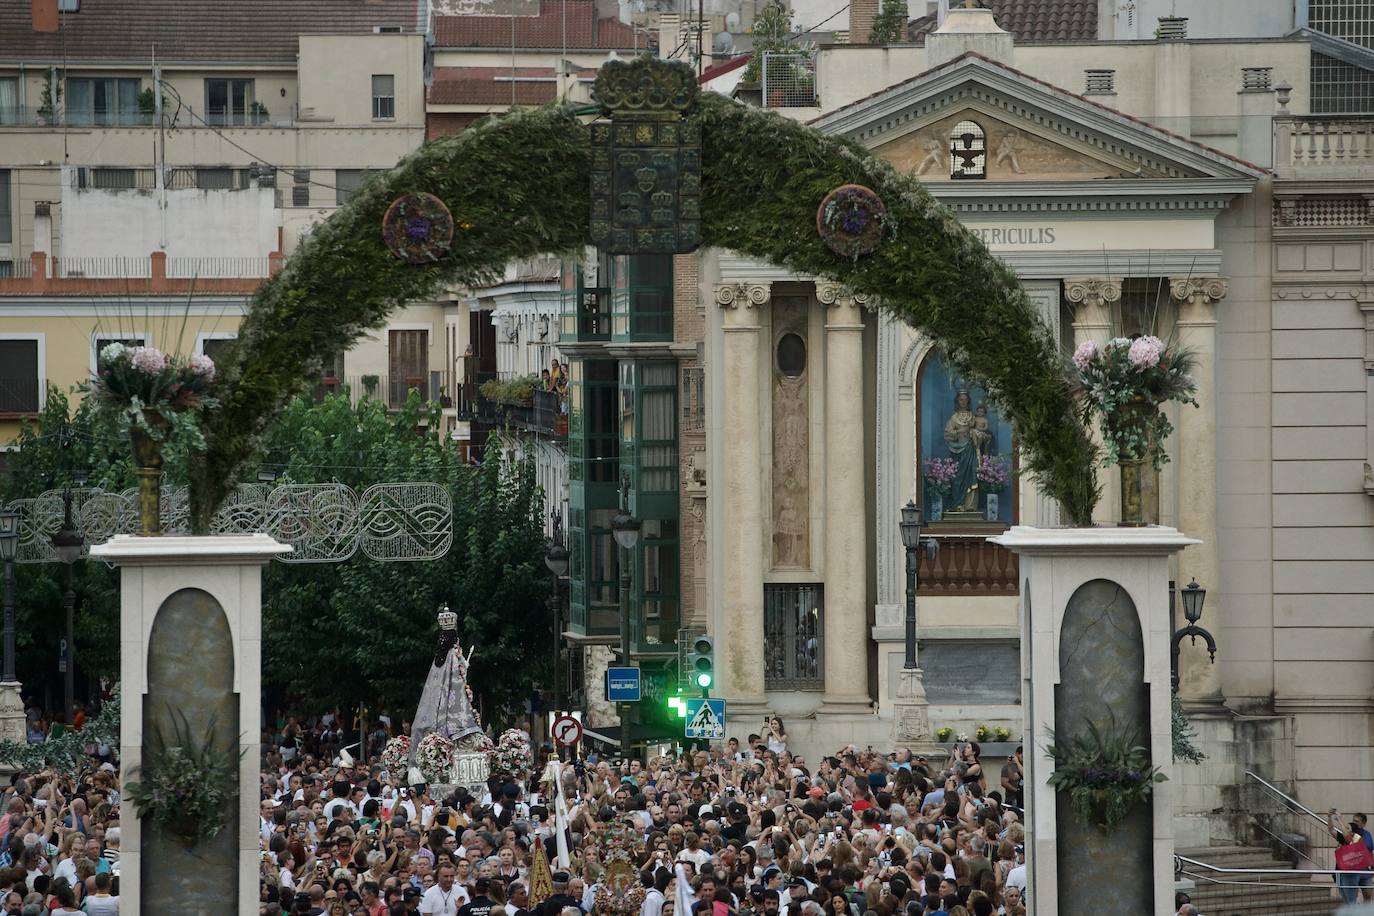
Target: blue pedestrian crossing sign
[
  {"x": 706, "y": 719},
  {"x": 622, "y": 685}
]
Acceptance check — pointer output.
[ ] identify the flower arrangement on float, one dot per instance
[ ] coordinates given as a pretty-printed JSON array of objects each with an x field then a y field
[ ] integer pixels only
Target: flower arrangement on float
[
  {"x": 434, "y": 757},
  {"x": 512, "y": 757},
  {"x": 395, "y": 754}
]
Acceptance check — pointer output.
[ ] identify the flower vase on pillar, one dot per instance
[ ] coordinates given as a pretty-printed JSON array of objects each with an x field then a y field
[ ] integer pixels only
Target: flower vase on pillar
[
  {"x": 1125, "y": 382},
  {"x": 149, "y": 388},
  {"x": 148, "y": 466}
]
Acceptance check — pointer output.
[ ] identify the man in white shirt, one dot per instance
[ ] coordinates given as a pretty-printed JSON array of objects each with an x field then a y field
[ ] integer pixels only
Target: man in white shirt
[
  {"x": 442, "y": 899},
  {"x": 1017, "y": 876}
]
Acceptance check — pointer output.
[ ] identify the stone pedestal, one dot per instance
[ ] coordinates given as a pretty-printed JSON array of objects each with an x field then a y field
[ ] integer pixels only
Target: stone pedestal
[
  {"x": 1095, "y": 635},
  {"x": 191, "y": 645},
  {"x": 910, "y": 711},
  {"x": 13, "y": 724}
]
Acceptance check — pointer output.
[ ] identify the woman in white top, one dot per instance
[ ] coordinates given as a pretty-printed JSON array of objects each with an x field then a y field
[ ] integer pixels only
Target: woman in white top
[{"x": 776, "y": 737}]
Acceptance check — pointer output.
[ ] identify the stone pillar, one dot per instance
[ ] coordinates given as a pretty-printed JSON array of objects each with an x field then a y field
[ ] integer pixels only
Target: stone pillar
[
  {"x": 1091, "y": 299},
  {"x": 191, "y": 641},
  {"x": 742, "y": 500},
  {"x": 1095, "y": 649},
  {"x": 846, "y": 522},
  {"x": 1196, "y": 297}
]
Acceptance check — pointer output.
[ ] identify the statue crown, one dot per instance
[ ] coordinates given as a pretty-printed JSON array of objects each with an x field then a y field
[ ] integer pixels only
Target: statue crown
[{"x": 447, "y": 619}]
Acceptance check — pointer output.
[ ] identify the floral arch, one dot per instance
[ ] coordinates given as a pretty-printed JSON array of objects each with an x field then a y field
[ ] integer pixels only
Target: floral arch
[{"x": 519, "y": 185}]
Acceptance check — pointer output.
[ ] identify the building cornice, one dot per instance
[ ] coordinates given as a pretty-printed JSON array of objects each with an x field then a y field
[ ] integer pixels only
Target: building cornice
[{"x": 1202, "y": 196}]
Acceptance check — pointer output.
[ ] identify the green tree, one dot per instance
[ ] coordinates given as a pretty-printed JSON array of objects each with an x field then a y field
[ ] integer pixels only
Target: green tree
[
  {"x": 772, "y": 32},
  {"x": 890, "y": 25},
  {"x": 334, "y": 634}
]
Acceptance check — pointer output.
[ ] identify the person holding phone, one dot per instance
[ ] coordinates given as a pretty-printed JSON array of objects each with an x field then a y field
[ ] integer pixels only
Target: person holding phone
[{"x": 774, "y": 736}]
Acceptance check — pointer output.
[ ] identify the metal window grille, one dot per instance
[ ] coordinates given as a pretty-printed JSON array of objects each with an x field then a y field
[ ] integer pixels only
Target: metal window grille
[
  {"x": 1172, "y": 28},
  {"x": 789, "y": 79},
  {"x": 1339, "y": 87},
  {"x": 300, "y": 191},
  {"x": 1256, "y": 77},
  {"x": 1352, "y": 20},
  {"x": 693, "y": 398},
  {"x": 967, "y": 151},
  {"x": 1100, "y": 80},
  {"x": 794, "y": 637}
]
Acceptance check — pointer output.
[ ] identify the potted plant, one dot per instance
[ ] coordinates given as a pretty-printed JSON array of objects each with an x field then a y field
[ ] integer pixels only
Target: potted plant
[
  {"x": 258, "y": 113},
  {"x": 1105, "y": 771},
  {"x": 1125, "y": 382},
  {"x": 939, "y": 474},
  {"x": 155, "y": 392},
  {"x": 943, "y": 734},
  {"x": 186, "y": 786},
  {"x": 51, "y": 98},
  {"x": 992, "y": 474}
]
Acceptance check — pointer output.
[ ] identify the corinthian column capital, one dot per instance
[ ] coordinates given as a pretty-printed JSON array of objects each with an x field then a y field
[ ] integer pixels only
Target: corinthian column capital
[
  {"x": 1095, "y": 292},
  {"x": 742, "y": 294},
  {"x": 1198, "y": 290}
]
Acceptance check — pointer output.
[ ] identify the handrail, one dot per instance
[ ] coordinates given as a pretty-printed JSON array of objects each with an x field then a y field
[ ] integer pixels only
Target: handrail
[
  {"x": 1288, "y": 798},
  {"x": 1253, "y": 871},
  {"x": 1277, "y": 838}
]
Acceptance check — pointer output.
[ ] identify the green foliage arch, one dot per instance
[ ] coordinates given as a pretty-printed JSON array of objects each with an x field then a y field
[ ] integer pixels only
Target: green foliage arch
[{"x": 518, "y": 185}]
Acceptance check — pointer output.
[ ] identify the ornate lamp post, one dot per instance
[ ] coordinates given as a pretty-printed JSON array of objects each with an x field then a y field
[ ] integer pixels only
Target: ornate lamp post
[
  {"x": 911, "y": 716},
  {"x": 11, "y": 705},
  {"x": 556, "y": 559},
  {"x": 68, "y": 542},
  {"x": 1193, "y": 596},
  {"x": 625, "y": 527}
]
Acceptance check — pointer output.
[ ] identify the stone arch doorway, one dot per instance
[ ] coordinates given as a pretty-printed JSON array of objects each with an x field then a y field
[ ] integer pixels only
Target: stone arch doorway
[{"x": 190, "y": 685}]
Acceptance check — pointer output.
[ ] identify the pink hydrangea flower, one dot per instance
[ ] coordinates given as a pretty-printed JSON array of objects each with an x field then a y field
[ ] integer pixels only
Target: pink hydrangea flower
[
  {"x": 1086, "y": 353},
  {"x": 1145, "y": 352},
  {"x": 148, "y": 360},
  {"x": 203, "y": 366}
]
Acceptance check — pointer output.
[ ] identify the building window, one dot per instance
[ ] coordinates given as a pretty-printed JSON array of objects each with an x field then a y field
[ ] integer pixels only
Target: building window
[
  {"x": 965, "y": 451},
  {"x": 300, "y": 189},
  {"x": 6, "y": 214},
  {"x": 348, "y": 181},
  {"x": 229, "y": 102},
  {"x": 408, "y": 364},
  {"x": 214, "y": 344},
  {"x": 793, "y": 637},
  {"x": 642, "y": 297},
  {"x": 967, "y": 151},
  {"x": 69, "y": 6},
  {"x": 383, "y": 97},
  {"x": 21, "y": 387},
  {"x": 103, "y": 102},
  {"x": 1339, "y": 87},
  {"x": 9, "y": 100}
]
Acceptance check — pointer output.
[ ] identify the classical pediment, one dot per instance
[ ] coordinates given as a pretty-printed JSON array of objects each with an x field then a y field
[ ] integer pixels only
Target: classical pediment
[{"x": 1037, "y": 136}]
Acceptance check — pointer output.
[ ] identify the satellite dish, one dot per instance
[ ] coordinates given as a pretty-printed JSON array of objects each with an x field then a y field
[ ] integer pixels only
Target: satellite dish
[
  {"x": 723, "y": 43},
  {"x": 732, "y": 22}
]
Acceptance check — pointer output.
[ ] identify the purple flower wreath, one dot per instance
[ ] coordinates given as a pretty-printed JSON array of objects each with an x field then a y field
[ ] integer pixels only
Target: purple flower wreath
[{"x": 850, "y": 220}]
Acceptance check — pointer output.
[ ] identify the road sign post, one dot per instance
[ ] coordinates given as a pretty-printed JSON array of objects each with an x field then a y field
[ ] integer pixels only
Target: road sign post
[
  {"x": 566, "y": 731},
  {"x": 705, "y": 719}
]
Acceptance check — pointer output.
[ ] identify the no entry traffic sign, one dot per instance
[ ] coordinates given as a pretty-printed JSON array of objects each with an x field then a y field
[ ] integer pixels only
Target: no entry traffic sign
[{"x": 566, "y": 730}]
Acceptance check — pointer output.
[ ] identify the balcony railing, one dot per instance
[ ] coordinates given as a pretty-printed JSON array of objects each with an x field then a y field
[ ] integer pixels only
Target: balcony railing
[
  {"x": 39, "y": 274},
  {"x": 1323, "y": 146},
  {"x": 968, "y": 565},
  {"x": 542, "y": 414},
  {"x": 392, "y": 391}
]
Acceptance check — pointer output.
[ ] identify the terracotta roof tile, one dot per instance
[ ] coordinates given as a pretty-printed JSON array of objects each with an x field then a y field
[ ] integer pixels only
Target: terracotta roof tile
[
  {"x": 579, "y": 28},
  {"x": 234, "y": 31},
  {"x": 1031, "y": 20},
  {"x": 488, "y": 91}
]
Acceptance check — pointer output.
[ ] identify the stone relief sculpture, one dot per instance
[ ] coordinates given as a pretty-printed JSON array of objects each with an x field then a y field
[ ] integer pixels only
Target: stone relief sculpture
[
  {"x": 1007, "y": 151},
  {"x": 935, "y": 155},
  {"x": 791, "y": 495}
]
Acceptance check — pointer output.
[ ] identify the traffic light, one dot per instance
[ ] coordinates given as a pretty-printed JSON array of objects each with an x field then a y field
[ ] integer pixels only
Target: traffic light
[
  {"x": 678, "y": 706},
  {"x": 701, "y": 662}
]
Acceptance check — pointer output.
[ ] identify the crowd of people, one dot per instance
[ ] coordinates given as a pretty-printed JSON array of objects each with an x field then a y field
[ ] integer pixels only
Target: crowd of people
[{"x": 735, "y": 830}]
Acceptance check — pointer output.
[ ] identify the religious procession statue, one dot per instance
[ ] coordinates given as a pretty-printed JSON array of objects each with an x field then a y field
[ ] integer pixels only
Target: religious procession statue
[{"x": 446, "y": 710}]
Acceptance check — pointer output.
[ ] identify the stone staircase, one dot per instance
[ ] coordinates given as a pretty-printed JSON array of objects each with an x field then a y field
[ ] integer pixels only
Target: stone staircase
[{"x": 1274, "y": 894}]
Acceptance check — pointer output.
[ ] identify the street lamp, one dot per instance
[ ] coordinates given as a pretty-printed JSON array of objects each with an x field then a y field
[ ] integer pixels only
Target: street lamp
[
  {"x": 556, "y": 559},
  {"x": 625, "y": 528},
  {"x": 1193, "y": 596},
  {"x": 68, "y": 542},
  {"x": 9, "y": 547},
  {"x": 910, "y": 526}
]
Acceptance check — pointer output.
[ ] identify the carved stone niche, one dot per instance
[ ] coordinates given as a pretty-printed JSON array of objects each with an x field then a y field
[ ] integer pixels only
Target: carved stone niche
[{"x": 791, "y": 492}]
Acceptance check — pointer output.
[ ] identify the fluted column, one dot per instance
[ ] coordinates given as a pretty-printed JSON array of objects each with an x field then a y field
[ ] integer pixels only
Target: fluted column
[
  {"x": 1091, "y": 299},
  {"x": 741, "y": 649},
  {"x": 846, "y": 528},
  {"x": 1196, "y": 297}
]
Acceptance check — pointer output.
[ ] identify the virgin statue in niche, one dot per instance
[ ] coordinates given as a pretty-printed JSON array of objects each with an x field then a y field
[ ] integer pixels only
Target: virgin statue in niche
[{"x": 968, "y": 440}]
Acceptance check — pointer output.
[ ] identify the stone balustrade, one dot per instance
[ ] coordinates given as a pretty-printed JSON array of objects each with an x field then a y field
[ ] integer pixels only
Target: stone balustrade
[{"x": 1323, "y": 146}]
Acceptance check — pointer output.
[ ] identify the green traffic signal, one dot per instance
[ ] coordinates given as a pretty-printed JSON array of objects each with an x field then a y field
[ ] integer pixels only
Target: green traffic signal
[{"x": 704, "y": 679}]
